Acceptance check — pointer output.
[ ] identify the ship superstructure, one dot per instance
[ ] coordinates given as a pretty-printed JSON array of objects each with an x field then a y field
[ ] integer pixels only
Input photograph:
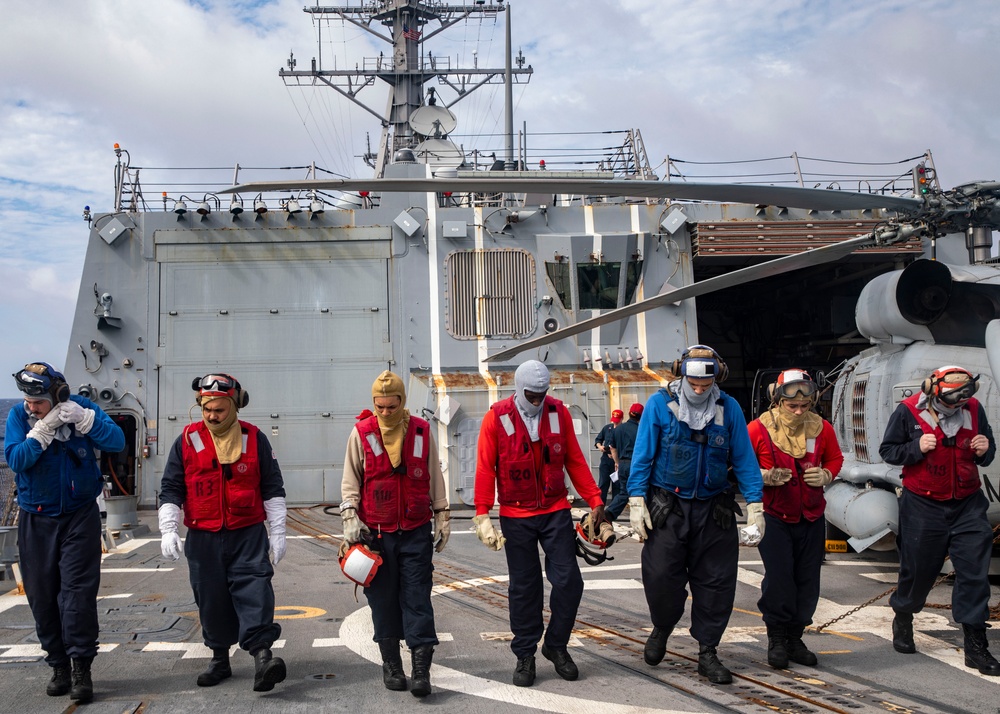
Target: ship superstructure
[{"x": 305, "y": 295}]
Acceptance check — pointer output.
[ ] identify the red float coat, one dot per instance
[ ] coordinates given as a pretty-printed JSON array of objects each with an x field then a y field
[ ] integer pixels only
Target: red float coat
[
  {"x": 393, "y": 500},
  {"x": 213, "y": 499},
  {"x": 945, "y": 472},
  {"x": 795, "y": 500},
  {"x": 529, "y": 478}
]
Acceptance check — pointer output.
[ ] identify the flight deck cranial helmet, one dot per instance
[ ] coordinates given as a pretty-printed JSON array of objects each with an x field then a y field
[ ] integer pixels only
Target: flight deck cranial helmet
[
  {"x": 592, "y": 543},
  {"x": 213, "y": 386},
  {"x": 793, "y": 384},
  {"x": 39, "y": 380},
  {"x": 700, "y": 362},
  {"x": 951, "y": 384}
]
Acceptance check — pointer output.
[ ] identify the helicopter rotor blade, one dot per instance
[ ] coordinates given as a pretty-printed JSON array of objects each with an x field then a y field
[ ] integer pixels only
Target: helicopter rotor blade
[
  {"x": 738, "y": 277},
  {"x": 817, "y": 199}
]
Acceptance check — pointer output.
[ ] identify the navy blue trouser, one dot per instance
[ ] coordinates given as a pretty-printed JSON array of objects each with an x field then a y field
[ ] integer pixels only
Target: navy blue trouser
[
  {"x": 400, "y": 593},
  {"x": 231, "y": 578},
  {"x": 61, "y": 568},
  {"x": 929, "y": 530},
  {"x": 691, "y": 548},
  {"x": 604, "y": 482},
  {"x": 620, "y": 500},
  {"x": 792, "y": 555},
  {"x": 555, "y": 534}
]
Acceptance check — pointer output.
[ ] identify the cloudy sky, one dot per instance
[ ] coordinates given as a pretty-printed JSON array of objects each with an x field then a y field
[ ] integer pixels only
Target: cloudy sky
[{"x": 194, "y": 83}]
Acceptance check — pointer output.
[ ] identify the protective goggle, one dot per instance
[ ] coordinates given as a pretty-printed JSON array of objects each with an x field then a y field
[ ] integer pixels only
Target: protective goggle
[
  {"x": 959, "y": 394},
  {"x": 32, "y": 384},
  {"x": 221, "y": 383},
  {"x": 804, "y": 389}
]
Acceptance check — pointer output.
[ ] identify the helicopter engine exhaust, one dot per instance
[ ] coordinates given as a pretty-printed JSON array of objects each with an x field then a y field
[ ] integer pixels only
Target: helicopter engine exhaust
[{"x": 897, "y": 307}]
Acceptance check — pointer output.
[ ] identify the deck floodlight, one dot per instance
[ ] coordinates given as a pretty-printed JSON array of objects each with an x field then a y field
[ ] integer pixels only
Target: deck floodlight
[
  {"x": 316, "y": 206},
  {"x": 236, "y": 205},
  {"x": 204, "y": 208},
  {"x": 292, "y": 206},
  {"x": 259, "y": 207},
  {"x": 180, "y": 208}
]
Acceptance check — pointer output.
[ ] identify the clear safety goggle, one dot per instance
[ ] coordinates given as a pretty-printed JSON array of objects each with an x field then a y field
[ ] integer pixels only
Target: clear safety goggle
[
  {"x": 804, "y": 389},
  {"x": 959, "y": 394},
  {"x": 217, "y": 383}
]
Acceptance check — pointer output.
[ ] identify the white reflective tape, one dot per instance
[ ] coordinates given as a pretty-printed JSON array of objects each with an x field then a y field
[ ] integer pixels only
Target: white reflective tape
[
  {"x": 507, "y": 424},
  {"x": 720, "y": 415},
  {"x": 374, "y": 444},
  {"x": 418, "y": 446},
  {"x": 196, "y": 442},
  {"x": 245, "y": 443},
  {"x": 811, "y": 446},
  {"x": 554, "y": 421}
]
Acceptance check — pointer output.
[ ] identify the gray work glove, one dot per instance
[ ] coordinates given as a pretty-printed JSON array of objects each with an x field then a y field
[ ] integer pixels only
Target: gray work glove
[
  {"x": 753, "y": 533},
  {"x": 352, "y": 525},
  {"x": 44, "y": 429},
  {"x": 169, "y": 517},
  {"x": 638, "y": 517},
  {"x": 442, "y": 529},
  {"x": 776, "y": 476},
  {"x": 817, "y": 476},
  {"x": 73, "y": 413},
  {"x": 487, "y": 533}
]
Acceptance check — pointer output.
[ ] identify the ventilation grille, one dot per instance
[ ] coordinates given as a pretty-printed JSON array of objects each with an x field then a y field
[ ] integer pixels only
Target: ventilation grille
[
  {"x": 858, "y": 430},
  {"x": 491, "y": 294}
]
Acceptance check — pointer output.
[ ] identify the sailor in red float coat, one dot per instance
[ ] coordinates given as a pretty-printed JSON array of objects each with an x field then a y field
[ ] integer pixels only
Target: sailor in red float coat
[
  {"x": 939, "y": 437},
  {"x": 391, "y": 489},
  {"x": 224, "y": 474},
  {"x": 526, "y": 444},
  {"x": 798, "y": 455}
]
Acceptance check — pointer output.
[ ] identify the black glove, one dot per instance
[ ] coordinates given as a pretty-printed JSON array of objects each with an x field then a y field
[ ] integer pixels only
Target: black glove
[
  {"x": 662, "y": 504},
  {"x": 607, "y": 450},
  {"x": 723, "y": 508}
]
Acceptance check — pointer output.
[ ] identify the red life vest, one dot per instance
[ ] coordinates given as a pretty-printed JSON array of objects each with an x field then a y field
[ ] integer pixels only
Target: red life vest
[
  {"x": 518, "y": 483},
  {"x": 795, "y": 500},
  {"x": 214, "y": 500},
  {"x": 395, "y": 500},
  {"x": 948, "y": 470}
]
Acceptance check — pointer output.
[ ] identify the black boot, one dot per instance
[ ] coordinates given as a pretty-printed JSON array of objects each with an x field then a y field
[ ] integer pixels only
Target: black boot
[
  {"x": 977, "y": 653},
  {"x": 60, "y": 682},
  {"x": 82, "y": 689},
  {"x": 777, "y": 646},
  {"x": 268, "y": 670},
  {"x": 656, "y": 646},
  {"x": 710, "y": 666},
  {"x": 392, "y": 666},
  {"x": 797, "y": 650},
  {"x": 218, "y": 668},
  {"x": 902, "y": 633},
  {"x": 421, "y": 673}
]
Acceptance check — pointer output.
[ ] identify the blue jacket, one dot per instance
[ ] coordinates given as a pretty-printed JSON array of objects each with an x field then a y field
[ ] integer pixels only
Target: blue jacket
[
  {"x": 665, "y": 455},
  {"x": 66, "y": 476}
]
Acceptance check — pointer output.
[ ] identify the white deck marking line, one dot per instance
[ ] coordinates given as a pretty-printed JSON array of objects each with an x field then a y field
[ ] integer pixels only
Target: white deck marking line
[
  {"x": 136, "y": 570},
  {"x": 196, "y": 650},
  {"x": 37, "y": 651},
  {"x": 11, "y": 599}
]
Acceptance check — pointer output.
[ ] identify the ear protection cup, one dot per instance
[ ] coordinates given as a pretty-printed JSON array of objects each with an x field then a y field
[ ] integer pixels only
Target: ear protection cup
[
  {"x": 927, "y": 386},
  {"x": 678, "y": 364},
  {"x": 772, "y": 390},
  {"x": 242, "y": 397},
  {"x": 60, "y": 392}
]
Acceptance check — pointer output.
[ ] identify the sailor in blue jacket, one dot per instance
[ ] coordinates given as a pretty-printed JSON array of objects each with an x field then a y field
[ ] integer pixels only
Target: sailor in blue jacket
[
  {"x": 52, "y": 445},
  {"x": 690, "y": 434}
]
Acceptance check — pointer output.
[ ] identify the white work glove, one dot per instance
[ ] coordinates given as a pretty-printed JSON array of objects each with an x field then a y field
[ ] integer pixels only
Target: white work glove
[
  {"x": 73, "y": 413},
  {"x": 169, "y": 517},
  {"x": 776, "y": 476},
  {"x": 753, "y": 534},
  {"x": 614, "y": 476},
  {"x": 275, "y": 510},
  {"x": 487, "y": 534},
  {"x": 638, "y": 517},
  {"x": 442, "y": 529},
  {"x": 352, "y": 525},
  {"x": 44, "y": 429},
  {"x": 817, "y": 476}
]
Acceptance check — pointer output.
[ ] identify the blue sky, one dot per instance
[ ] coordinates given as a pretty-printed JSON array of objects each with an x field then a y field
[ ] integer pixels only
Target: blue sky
[{"x": 195, "y": 84}]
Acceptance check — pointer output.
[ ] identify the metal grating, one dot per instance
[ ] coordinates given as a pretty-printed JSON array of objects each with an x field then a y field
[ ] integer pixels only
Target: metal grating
[
  {"x": 858, "y": 430},
  {"x": 491, "y": 293}
]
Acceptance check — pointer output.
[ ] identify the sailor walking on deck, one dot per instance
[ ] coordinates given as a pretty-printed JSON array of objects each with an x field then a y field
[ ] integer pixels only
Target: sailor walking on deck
[
  {"x": 798, "y": 455},
  {"x": 223, "y": 472},
  {"x": 51, "y": 445},
  {"x": 527, "y": 445},
  {"x": 392, "y": 490},
  {"x": 622, "y": 444},
  {"x": 607, "y": 464},
  {"x": 690, "y": 433},
  {"x": 940, "y": 436}
]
